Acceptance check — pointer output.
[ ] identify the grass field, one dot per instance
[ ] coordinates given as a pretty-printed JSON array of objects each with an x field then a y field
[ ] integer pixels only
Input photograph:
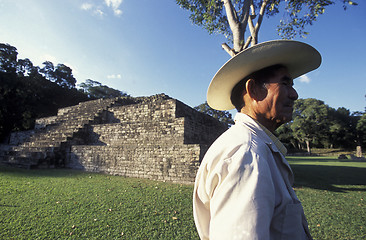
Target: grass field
[{"x": 68, "y": 204}]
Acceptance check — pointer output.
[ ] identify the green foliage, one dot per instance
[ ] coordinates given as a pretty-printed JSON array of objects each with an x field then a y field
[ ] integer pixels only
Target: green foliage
[
  {"x": 25, "y": 98},
  {"x": 361, "y": 129},
  {"x": 61, "y": 74},
  {"x": 211, "y": 15},
  {"x": 222, "y": 116},
  {"x": 315, "y": 123},
  {"x": 26, "y": 94},
  {"x": 310, "y": 123},
  {"x": 8, "y": 58},
  {"x": 96, "y": 90}
]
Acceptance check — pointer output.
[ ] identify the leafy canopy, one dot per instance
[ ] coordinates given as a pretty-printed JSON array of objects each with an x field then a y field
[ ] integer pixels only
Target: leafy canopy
[
  {"x": 232, "y": 17},
  {"x": 222, "y": 116}
]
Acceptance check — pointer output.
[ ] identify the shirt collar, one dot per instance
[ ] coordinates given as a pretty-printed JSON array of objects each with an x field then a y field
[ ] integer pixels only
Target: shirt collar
[{"x": 275, "y": 140}]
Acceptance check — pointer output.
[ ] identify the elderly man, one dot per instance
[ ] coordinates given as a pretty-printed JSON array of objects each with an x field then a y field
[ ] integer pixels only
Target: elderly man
[{"x": 243, "y": 188}]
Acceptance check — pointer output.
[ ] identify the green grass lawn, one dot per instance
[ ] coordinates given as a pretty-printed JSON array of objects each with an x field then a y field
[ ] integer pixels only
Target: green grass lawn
[
  {"x": 333, "y": 193},
  {"x": 68, "y": 204}
]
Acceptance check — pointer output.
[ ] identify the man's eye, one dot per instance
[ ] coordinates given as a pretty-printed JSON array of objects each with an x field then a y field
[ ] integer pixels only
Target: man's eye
[{"x": 288, "y": 84}]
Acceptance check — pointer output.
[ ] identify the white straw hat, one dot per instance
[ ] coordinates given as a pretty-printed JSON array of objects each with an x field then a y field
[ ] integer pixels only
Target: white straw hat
[{"x": 298, "y": 57}]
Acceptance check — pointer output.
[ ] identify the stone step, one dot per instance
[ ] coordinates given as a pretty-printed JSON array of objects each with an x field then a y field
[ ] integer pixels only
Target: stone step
[
  {"x": 44, "y": 142},
  {"x": 17, "y": 149},
  {"x": 41, "y": 144}
]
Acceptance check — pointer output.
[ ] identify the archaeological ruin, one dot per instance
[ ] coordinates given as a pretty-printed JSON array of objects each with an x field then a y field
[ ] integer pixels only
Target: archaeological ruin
[{"x": 155, "y": 137}]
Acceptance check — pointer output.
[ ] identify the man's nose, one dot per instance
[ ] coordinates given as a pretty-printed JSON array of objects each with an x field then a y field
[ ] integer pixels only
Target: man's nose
[{"x": 293, "y": 94}]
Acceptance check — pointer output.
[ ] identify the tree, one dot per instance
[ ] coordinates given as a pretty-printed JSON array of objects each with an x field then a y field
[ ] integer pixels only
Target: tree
[
  {"x": 232, "y": 17},
  {"x": 61, "y": 74},
  {"x": 8, "y": 58},
  {"x": 285, "y": 135},
  {"x": 64, "y": 77},
  {"x": 48, "y": 71},
  {"x": 361, "y": 130},
  {"x": 96, "y": 90},
  {"x": 222, "y": 116},
  {"x": 310, "y": 123},
  {"x": 342, "y": 129},
  {"x": 25, "y": 68},
  {"x": 26, "y": 94}
]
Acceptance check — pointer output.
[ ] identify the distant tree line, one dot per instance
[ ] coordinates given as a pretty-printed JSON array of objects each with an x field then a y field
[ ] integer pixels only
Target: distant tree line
[
  {"x": 314, "y": 124},
  {"x": 28, "y": 92}
]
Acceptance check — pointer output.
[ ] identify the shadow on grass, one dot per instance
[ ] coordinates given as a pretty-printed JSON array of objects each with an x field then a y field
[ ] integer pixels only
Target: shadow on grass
[
  {"x": 56, "y": 172},
  {"x": 330, "y": 178}
]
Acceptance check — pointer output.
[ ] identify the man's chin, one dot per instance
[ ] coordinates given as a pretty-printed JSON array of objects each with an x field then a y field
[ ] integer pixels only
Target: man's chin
[{"x": 285, "y": 119}]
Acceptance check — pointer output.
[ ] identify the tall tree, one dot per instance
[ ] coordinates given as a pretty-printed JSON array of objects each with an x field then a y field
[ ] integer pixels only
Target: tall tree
[
  {"x": 61, "y": 74},
  {"x": 222, "y": 116},
  {"x": 96, "y": 90},
  {"x": 361, "y": 130},
  {"x": 26, "y": 94},
  {"x": 48, "y": 71},
  {"x": 232, "y": 17},
  {"x": 64, "y": 77},
  {"x": 342, "y": 129},
  {"x": 8, "y": 58},
  {"x": 310, "y": 123},
  {"x": 25, "y": 68}
]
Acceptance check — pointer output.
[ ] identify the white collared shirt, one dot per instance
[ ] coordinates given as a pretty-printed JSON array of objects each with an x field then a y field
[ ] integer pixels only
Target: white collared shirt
[{"x": 243, "y": 188}]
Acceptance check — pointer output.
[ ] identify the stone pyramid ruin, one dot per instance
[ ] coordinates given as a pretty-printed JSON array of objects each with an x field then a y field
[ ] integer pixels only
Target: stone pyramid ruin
[{"x": 155, "y": 137}]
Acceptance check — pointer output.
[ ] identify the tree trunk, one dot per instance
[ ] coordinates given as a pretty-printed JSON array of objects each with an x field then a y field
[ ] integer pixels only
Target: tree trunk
[
  {"x": 299, "y": 145},
  {"x": 235, "y": 26},
  {"x": 308, "y": 146},
  {"x": 238, "y": 25},
  {"x": 358, "y": 151}
]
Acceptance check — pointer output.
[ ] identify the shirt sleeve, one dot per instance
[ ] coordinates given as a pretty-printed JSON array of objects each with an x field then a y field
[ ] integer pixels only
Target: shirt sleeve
[{"x": 242, "y": 197}]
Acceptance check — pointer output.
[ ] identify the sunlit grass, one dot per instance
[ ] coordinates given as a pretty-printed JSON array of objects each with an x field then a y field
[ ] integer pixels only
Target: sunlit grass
[
  {"x": 333, "y": 193},
  {"x": 52, "y": 204},
  {"x": 68, "y": 204}
]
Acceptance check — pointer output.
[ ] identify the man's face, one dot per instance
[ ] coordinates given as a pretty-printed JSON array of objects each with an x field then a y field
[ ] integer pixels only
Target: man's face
[{"x": 278, "y": 96}]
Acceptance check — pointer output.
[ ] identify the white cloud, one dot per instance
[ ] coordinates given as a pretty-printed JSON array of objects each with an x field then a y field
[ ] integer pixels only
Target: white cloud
[
  {"x": 114, "y": 76},
  {"x": 114, "y": 4},
  {"x": 86, "y": 6},
  {"x": 98, "y": 10},
  {"x": 304, "y": 79},
  {"x": 95, "y": 10}
]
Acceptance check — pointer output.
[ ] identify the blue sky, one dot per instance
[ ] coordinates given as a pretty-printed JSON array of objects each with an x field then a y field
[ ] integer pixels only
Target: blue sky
[{"x": 148, "y": 47}]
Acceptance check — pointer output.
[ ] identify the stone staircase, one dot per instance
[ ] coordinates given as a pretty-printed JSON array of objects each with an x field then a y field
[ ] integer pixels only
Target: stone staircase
[{"x": 46, "y": 145}]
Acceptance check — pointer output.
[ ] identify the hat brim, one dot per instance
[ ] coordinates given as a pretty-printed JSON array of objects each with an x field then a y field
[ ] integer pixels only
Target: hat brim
[{"x": 298, "y": 57}]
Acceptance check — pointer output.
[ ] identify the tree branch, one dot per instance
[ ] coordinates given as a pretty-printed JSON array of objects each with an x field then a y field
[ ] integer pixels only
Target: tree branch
[
  {"x": 230, "y": 51},
  {"x": 230, "y": 13},
  {"x": 250, "y": 21},
  {"x": 259, "y": 22},
  {"x": 247, "y": 42},
  {"x": 235, "y": 26}
]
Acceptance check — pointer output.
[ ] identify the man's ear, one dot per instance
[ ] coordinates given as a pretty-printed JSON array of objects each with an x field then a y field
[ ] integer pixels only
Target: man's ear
[{"x": 254, "y": 91}]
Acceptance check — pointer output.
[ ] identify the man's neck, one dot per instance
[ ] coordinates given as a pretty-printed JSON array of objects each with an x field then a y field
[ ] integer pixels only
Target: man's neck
[{"x": 270, "y": 125}]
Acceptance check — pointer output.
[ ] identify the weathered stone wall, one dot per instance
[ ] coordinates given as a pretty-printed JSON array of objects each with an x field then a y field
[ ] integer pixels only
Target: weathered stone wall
[
  {"x": 17, "y": 138},
  {"x": 175, "y": 163},
  {"x": 43, "y": 122},
  {"x": 148, "y": 137},
  {"x": 162, "y": 139}
]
